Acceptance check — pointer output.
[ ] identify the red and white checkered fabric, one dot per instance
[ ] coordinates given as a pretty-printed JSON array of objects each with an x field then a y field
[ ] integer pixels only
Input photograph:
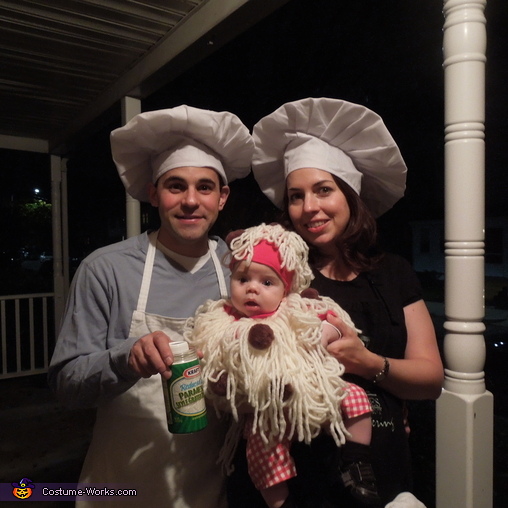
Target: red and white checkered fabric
[
  {"x": 356, "y": 403},
  {"x": 269, "y": 465}
]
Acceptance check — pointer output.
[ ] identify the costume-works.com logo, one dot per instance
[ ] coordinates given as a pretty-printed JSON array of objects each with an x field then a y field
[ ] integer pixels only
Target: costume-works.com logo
[{"x": 23, "y": 489}]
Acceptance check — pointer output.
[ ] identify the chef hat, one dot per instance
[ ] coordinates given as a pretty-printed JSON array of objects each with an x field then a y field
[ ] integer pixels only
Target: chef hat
[
  {"x": 345, "y": 139},
  {"x": 283, "y": 251},
  {"x": 154, "y": 142}
]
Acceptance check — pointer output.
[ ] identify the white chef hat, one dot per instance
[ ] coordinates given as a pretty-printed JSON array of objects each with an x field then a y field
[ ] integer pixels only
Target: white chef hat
[
  {"x": 347, "y": 140},
  {"x": 152, "y": 143}
]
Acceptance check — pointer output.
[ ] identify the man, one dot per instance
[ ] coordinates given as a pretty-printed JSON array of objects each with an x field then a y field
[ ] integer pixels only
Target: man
[{"x": 127, "y": 300}]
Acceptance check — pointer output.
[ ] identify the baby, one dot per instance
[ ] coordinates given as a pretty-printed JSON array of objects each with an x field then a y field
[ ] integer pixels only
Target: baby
[{"x": 264, "y": 358}]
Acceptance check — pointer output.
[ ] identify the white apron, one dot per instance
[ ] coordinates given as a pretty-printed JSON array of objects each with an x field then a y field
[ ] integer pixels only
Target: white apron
[{"x": 131, "y": 444}]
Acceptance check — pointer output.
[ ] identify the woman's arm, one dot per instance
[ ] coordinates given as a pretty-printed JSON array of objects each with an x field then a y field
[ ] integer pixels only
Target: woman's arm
[{"x": 419, "y": 375}]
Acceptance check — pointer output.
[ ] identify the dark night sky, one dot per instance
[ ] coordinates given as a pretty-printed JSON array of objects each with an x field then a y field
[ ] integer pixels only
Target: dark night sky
[{"x": 386, "y": 55}]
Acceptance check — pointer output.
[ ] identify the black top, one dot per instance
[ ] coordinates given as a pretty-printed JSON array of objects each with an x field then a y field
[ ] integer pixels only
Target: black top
[{"x": 375, "y": 301}]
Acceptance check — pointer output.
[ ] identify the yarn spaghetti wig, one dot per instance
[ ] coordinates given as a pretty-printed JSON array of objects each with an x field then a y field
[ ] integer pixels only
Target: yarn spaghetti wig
[{"x": 294, "y": 386}]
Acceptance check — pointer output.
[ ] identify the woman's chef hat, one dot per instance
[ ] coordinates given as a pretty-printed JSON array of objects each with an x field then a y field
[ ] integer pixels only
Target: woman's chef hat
[
  {"x": 345, "y": 139},
  {"x": 154, "y": 142},
  {"x": 272, "y": 245}
]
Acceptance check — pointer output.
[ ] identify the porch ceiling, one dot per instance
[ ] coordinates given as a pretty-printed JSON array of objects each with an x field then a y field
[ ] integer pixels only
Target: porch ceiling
[{"x": 66, "y": 63}]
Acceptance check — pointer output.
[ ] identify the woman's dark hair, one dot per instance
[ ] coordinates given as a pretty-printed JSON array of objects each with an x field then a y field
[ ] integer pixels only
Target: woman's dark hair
[{"x": 357, "y": 245}]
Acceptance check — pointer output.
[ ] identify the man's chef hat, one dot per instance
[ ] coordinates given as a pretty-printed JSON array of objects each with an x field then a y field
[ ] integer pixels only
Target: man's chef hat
[
  {"x": 345, "y": 139},
  {"x": 152, "y": 143}
]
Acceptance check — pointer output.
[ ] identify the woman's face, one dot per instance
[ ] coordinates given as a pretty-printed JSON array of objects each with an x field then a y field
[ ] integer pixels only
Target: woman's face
[{"x": 317, "y": 207}]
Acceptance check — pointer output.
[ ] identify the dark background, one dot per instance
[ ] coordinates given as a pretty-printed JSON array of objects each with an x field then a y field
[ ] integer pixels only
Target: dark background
[{"x": 385, "y": 55}]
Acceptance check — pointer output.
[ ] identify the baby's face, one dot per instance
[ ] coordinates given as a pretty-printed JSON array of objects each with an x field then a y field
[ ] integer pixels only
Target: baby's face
[{"x": 255, "y": 289}]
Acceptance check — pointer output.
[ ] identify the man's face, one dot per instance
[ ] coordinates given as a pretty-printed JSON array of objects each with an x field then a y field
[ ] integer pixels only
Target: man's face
[{"x": 189, "y": 200}]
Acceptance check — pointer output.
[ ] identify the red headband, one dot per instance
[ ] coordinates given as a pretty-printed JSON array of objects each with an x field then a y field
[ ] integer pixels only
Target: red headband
[{"x": 265, "y": 253}]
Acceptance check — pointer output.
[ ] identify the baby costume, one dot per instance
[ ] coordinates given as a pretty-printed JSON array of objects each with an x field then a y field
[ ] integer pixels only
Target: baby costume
[{"x": 274, "y": 364}]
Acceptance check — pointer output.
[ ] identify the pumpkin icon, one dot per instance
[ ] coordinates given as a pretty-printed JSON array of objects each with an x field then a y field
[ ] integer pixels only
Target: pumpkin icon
[{"x": 23, "y": 489}]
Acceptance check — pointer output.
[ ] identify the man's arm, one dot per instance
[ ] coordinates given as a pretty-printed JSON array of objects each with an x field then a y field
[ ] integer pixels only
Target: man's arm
[
  {"x": 90, "y": 361},
  {"x": 95, "y": 358}
]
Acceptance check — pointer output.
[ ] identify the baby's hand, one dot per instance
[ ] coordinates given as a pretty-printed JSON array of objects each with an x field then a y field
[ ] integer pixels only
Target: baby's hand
[{"x": 329, "y": 333}]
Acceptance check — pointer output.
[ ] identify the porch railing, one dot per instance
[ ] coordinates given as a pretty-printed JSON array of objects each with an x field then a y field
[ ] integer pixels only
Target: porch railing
[{"x": 27, "y": 334}]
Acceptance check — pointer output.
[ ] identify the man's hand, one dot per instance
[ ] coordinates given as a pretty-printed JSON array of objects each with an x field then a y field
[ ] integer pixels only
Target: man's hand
[{"x": 152, "y": 355}]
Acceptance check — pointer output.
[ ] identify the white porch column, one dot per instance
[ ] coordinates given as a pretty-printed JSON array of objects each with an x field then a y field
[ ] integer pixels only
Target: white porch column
[
  {"x": 464, "y": 420},
  {"x": 56, "y": 218},
  {"x": 130, "y": 108}
]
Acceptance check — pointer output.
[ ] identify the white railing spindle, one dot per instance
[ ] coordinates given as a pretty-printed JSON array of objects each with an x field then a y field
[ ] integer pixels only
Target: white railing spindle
[{"x": 24, "y": 327}]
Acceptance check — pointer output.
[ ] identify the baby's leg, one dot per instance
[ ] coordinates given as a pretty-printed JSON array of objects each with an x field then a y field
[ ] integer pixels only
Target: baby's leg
[
  {"x": 360, "y": 428},
  {"x": 357, "y": 415},
  {"x": 356, "y": 470},
  {"x": 276, "y": 495},
  {"x": 269, "y": 468}
]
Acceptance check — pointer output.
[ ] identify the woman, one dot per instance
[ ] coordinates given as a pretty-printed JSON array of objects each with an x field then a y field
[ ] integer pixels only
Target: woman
[{"x": 333, "y": 166}]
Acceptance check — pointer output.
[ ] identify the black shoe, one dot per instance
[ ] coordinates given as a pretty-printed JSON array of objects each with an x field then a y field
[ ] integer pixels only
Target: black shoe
[{"x": 359, "y": 479}]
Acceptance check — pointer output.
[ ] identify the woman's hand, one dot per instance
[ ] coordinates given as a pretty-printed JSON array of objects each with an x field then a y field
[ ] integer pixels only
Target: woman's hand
[
  {"x": 351, "y": 351},
  {"x": 417, "y": 376}
]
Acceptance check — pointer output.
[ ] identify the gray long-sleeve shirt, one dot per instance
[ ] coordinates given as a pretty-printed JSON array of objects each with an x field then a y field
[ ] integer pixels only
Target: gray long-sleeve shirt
[{"x": 89, "y": 363}]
